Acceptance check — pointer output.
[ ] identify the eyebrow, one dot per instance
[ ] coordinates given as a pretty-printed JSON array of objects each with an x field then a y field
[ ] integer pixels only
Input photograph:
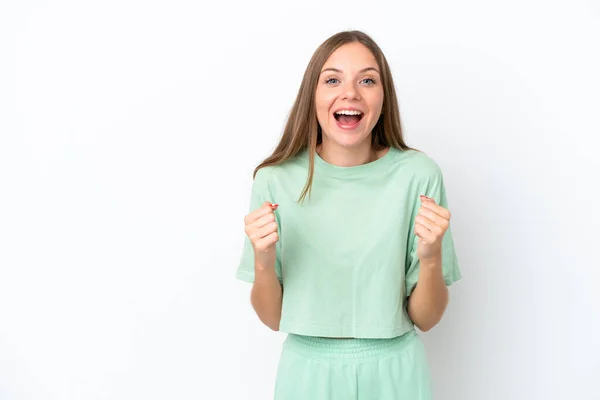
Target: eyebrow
[{"x": 361, "y": 71}]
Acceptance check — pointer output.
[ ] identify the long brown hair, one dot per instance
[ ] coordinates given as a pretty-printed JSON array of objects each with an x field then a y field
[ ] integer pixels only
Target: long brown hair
[{"x": 302, "y": 129}]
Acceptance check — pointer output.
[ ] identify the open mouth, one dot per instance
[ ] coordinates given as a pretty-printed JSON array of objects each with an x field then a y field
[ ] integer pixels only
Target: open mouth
[{"x": 349, "y": 118}]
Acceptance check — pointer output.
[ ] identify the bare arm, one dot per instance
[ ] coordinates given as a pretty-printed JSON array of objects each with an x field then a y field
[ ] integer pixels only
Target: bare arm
[
  {"x": 428, "y": 301},
  {"x": 266, "y": 294}
]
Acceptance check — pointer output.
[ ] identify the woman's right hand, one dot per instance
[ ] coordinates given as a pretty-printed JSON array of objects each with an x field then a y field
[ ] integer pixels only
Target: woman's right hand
[{"x": 261, "y": 228}]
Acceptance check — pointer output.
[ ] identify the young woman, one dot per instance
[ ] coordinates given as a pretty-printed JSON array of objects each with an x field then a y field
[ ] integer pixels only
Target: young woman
[{"x": 348, "y": 243}]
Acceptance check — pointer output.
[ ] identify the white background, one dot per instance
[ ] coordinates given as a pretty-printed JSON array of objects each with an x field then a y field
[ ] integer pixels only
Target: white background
[{"x": 128, "y": 135}]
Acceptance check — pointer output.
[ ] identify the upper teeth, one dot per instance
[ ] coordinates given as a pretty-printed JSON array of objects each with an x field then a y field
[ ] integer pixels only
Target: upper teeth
[{"x": 348, "y": 112}]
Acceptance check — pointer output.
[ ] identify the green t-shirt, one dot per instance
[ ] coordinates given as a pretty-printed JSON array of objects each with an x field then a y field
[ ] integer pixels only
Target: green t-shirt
[{"x": 347, "y": 257}]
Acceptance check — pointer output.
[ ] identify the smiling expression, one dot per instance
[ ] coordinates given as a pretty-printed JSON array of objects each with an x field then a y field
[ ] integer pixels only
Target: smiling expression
[{"x": 349, "y": 96}]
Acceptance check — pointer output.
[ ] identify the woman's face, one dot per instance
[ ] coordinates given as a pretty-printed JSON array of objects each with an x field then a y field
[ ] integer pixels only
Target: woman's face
[{"x": 349, "y": 96}]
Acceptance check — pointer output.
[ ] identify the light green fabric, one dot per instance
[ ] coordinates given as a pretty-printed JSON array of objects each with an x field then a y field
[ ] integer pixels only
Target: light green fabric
[
  {"x": 347, "y": 256},
  {"x": 353, "y": 369}
]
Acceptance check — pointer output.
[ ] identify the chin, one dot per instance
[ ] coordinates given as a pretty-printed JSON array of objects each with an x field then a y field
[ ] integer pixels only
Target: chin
[{"x": 348, "y": 140}]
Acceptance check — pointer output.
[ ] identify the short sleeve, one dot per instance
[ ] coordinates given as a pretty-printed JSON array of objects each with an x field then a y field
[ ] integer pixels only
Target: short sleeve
[
  {"x": 259, "y": 194},
  {"x": 450, "y": 268}
]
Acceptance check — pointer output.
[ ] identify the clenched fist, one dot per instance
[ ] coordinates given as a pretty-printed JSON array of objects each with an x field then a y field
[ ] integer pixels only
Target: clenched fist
[
  {"x": 430, "y": 226},
  {"x": 261, "y": 228}
]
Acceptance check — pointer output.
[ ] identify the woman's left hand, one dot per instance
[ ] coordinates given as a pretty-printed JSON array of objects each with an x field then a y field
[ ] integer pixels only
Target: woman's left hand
[{"x": 431, "y": 224}]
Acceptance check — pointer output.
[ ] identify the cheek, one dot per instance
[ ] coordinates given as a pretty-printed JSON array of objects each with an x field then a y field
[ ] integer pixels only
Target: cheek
[
  {"x": 376, "y": 102},
  {"x": 323, "y": 104},
  {"x": 321, "y": 114}
]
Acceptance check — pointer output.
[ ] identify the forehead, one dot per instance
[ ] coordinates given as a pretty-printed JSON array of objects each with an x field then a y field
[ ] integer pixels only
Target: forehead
[{"x": 351, "y": 56}]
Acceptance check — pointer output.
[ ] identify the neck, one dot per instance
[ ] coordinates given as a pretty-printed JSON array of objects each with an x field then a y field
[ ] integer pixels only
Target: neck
[{"x": 347, "y": 156}]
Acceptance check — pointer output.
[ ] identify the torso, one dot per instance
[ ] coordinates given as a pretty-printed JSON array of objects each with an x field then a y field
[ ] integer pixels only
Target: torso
[{"x": 343, "y": 254}]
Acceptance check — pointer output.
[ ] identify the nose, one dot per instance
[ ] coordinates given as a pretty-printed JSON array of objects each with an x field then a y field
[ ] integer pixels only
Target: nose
[{"x": 350, "y": 91}]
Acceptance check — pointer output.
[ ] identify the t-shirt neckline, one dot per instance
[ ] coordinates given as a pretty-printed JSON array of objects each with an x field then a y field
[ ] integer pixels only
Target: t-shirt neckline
[{"x": 338, "y": 171}]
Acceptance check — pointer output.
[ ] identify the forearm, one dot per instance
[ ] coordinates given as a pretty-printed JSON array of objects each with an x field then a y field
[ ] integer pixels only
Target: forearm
[
  {"x": 266, "y": 295},
  {"x": 429, "y": 299}
]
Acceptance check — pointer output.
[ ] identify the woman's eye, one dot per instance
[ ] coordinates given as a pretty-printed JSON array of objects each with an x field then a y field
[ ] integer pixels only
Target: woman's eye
[{"x": 333, "y": 81}]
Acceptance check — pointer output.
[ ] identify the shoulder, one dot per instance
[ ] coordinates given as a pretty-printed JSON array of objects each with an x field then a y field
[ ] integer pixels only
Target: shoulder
[
  {"x": 265, "y": 173},
  {"x": 420, "y": 165},
  {"x": 296, "y": 165}
]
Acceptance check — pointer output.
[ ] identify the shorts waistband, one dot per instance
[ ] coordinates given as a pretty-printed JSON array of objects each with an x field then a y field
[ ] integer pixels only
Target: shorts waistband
[{"x": 355, "y": 348}]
